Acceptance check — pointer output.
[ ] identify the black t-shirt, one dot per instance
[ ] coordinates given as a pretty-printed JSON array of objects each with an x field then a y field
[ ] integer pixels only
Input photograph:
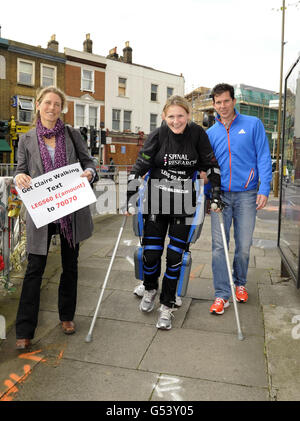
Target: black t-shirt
[{"x": 173, "y": 161}]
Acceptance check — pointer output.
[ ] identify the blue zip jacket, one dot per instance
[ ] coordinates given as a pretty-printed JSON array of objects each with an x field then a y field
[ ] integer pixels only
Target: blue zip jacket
[{"x": 243, "y": 154}]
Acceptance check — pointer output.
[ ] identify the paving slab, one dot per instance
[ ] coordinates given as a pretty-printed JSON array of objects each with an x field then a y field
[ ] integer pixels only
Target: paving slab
[
  {"x": 81, "y": 381},
  {"x": 280, "y": 294},
  {"x": 211, "y": 356},
  {"x": 123, "y": 305},
  {"x": 201, "y": 288},
  {"x": 282, "y": 346},
  {"x": 170, "y": 387},
  {"x": 199, "y": 318},
  {"x": 116, "y": 343}
]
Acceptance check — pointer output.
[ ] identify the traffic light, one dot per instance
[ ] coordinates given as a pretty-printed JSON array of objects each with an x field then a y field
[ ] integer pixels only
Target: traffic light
[
  {"x": 208, "y": 120},
  {"x": 93, "y": 140},
  {"x": 103, "y": 137},
  {"x": 83, "y": 132}
]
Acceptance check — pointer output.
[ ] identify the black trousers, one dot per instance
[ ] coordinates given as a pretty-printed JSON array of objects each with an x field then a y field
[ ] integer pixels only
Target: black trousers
[
  {"x": 155, "y": 230},
  {"x": 27, "y": 315}
]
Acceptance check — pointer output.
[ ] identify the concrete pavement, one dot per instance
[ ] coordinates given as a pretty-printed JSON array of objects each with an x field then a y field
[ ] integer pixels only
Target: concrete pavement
[{"x": 199, "y": 359}]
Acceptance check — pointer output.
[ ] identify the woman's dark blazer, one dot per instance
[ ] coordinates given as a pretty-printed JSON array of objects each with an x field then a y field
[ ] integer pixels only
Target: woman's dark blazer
[{"x": 30, "y": 162}]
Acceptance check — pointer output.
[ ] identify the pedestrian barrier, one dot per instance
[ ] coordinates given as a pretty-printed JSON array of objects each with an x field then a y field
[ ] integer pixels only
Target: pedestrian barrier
[
  {"x": 12, "y": 216},
  {"x": 12, "y": 233}
]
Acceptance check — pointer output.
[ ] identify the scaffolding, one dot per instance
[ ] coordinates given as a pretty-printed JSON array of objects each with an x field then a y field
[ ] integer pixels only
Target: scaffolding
[
  {"x": 256, "y": 102},
  {"x": 249, "y": 101}
]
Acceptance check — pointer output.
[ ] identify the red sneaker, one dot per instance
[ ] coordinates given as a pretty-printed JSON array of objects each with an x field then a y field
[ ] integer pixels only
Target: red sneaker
[
  {"x": 219, "y": 305},
  {"x": 241, "y": 294}
]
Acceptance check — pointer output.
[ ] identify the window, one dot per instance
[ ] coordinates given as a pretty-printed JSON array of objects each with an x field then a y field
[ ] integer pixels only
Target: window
[
  {"x": 93, "y": 116},
  {"x": 116, "y": 119},
  {"x": 25, "y": 110},
  {"x": 86, "y": 115},
  {"x": 153, "y": 122},
  {"x": 127, "y": 120},
  {"x": 26, "y": 72},
  {"x": 122, "y": 87},
  {"x": 79, "y": 115},
  {"x": 87, "y": 80},
  {"x": 169, "y": 92},
  {"x": 2, "y": 67},
  {"x": 154, "y": 89},
  {"x": 48, "y": 75}
]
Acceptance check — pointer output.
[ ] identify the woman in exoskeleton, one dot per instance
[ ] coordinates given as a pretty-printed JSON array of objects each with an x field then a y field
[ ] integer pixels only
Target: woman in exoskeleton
[{"x": 172, "y": 154}]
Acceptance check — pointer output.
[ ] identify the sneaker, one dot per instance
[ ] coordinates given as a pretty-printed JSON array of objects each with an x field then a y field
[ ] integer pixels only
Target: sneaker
[
  {"x": 241, "y": 294},
  {"x": 139, "y": 290},
  {"x": 147, "y": 303},
  {"x": 164, "y": 319},
  {"x": 219, "y": 305},
  {"x": 178, "y": 301}
]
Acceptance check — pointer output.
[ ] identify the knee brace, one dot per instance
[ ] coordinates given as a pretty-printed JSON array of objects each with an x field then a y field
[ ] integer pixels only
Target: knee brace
[
  {"x": 179, "y": 269},
  {"x": 147, "y": 257},
  {"x": 175, "y": 251}
]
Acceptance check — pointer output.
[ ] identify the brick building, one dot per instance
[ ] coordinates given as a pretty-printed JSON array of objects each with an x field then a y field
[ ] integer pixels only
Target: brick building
[
  {"x": 85, "y": 87},
  {"x": 24, "y": 69}
]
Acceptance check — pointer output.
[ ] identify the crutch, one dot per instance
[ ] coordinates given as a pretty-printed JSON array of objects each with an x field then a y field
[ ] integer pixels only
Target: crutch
[
  {"x": 89, "y": 335},
  {"x": 220, "y": 214}
]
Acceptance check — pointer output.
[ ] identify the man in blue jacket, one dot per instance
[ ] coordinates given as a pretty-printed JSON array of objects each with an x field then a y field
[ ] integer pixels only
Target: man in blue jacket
[{"x": 242, "y": 150}]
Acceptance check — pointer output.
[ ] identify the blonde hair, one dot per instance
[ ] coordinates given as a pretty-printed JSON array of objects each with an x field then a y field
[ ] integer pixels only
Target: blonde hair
[
  {"x": 41, "y": 94},
  {"x": 177, "y": 100}
]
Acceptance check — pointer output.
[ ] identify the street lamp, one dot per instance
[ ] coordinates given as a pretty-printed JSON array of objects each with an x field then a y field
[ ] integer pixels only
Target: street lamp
[{"x": 276, "y": 180}]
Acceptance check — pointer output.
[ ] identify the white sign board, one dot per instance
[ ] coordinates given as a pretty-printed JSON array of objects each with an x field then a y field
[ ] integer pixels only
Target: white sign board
[{"x": 56, "y": 194}]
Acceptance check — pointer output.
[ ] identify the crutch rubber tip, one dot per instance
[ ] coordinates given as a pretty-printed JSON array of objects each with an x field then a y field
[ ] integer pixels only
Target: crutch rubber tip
[
  {"x": 88, "y": 338},
  {"x": 241, "y": 337}
]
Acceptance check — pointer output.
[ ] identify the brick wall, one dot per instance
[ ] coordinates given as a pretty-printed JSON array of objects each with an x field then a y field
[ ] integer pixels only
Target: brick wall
[
  {"x": 73, "y": 83},
  {"x": 73, "y": 80},
  {"x": 69, "y": 116}
]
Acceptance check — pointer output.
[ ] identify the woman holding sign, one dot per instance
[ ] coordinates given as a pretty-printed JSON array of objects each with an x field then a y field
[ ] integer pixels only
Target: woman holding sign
[{"x": 49, "y": 146}]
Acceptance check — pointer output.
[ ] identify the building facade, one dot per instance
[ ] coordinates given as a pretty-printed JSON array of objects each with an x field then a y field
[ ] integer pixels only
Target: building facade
[
  {"x": 23, "y": 70},
  {"x": 85, "y": 87},
  {"x": 109, "y": 95},
  {"x": 135, "y": 97}
]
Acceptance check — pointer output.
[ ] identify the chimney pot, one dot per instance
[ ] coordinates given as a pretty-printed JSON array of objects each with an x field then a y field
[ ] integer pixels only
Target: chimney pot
[
  {"x": 127, "y": 53},
  {"x": 88, "y": 44},
  {"x": 113, "y": 54},
  {"x": 53, "y": 44}
]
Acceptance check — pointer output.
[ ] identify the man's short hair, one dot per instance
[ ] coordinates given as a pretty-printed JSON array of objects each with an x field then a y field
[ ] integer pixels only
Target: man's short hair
[{"x": 220, "y": 89}]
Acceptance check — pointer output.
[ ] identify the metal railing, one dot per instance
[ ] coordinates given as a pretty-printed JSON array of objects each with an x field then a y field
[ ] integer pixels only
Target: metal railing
[
  {"x": 12, "y": 216},
  {"x": 12, "y": 233},
  {"x": 7, "y": 170}
]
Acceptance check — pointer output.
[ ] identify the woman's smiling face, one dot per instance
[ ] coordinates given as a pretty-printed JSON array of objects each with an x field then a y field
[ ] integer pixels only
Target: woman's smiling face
[
  {"x": 50, "y": 108},
  {"x": 176, "y": 118}
]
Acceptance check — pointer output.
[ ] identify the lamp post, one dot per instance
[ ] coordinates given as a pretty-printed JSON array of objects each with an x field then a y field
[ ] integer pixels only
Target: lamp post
[{"x": 276, "y": 181}]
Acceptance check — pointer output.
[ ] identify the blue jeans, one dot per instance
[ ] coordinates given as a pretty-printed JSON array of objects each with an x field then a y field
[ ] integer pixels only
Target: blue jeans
[{"x": 241, "y": 209}]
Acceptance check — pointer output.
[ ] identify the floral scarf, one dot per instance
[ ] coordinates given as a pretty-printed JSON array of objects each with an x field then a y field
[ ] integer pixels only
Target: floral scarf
[{"x": 60, "y": 160}]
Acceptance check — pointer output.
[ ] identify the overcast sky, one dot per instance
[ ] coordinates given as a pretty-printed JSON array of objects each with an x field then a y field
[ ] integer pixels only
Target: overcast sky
[{"x": 208, "y": 41}]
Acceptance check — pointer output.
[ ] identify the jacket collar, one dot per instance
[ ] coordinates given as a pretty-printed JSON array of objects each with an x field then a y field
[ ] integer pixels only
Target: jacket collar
[{"x": 218, "y": 118}]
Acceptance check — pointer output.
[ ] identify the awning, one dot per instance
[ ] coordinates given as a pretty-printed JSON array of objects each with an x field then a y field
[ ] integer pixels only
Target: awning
[{"x": 4, "y": 146}]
